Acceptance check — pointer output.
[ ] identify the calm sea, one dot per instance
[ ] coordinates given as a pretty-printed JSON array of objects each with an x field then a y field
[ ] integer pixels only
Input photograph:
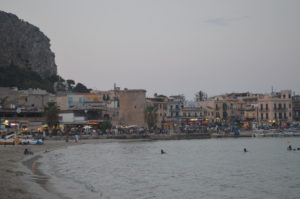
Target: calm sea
[{"x": 210, "y": 168}]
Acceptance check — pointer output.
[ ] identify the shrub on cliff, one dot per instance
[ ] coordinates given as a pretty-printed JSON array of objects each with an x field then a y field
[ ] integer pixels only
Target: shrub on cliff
[{"x": 14, "y": 76}]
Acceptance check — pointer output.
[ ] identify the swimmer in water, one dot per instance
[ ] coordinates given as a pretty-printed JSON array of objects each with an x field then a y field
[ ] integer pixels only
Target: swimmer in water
[
  {"x": 245, "y": 150},
  {"x": 162, "y": 152}
]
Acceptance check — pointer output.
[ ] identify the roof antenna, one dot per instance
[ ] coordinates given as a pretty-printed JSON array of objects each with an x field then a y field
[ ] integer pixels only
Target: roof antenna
[{"x": 272, "y": 91}]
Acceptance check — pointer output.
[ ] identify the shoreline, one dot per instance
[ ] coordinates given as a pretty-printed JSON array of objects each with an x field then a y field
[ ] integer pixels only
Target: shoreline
[{"x": 21, "y": 176}]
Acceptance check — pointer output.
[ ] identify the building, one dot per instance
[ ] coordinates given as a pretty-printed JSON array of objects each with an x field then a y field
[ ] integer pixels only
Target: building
[
  {"x": 296, "y": 107},
  {"x": 192, "y": 114},
  {"x": 221, "y": 109},
  {"x": 276, "y": 108},
  {"x": 24, "y": 108},
  {"x": 161, "y": 104},
  {"x": 174, "y": 111},
  {"x": 131, "y": 107},
  {"x": 78, "y": 109}
]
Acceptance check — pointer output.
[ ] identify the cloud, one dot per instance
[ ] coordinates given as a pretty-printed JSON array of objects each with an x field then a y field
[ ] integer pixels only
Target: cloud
[{"x": 223, "y": 21}]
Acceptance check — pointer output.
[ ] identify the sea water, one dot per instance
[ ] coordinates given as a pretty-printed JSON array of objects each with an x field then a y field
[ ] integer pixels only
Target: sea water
[{"x": 208, "y": 168}]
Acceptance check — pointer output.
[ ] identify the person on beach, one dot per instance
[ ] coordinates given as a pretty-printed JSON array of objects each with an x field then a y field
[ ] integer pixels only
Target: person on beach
[
  {"x": 289, "y": 147},
  {"x": 76, "y": 138},
  {"x": 245, "y": 150},
  {"x": 27, "y": 152},
  {"x": 67, "y": 137}
]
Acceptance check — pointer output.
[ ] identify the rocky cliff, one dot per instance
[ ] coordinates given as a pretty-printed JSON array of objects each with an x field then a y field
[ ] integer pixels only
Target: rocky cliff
[{"x": 25, "y": 46}]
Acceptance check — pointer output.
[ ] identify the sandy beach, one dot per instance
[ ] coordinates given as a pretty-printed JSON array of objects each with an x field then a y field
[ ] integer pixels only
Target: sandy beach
[{"x": 19, "y": 174}]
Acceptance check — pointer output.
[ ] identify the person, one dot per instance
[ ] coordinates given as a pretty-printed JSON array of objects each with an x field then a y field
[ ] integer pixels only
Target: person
[
  {"x": 67, "y": 137},
  {"x": 76, "y": 138},
  {"x": 298, "y": 149},
  {"x": 290, "y": 148},
  {"x": 162, "y": 151},
  {"x": 245, "y": 150},
  {"x": 25, "y": 151}
]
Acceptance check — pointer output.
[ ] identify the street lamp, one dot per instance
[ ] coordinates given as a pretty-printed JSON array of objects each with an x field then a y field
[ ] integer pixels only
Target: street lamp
[{"x": 85, "y": 111}]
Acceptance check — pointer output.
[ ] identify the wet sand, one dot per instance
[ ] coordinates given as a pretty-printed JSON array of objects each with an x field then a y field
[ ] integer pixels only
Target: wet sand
[{"x": 19, "y": 173}]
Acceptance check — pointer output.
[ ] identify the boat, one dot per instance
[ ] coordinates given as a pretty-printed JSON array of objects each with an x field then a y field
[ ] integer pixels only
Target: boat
[
  {"x": 31, "y": 141},
  {"x": 9, "y": 141}
]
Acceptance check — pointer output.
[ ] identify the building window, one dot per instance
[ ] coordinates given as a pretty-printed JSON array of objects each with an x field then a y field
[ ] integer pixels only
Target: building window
[
  {"x": 160, "y": 114},
  {"x": 177, "y": 107},
  {"x": 290, "y": 106},
  {"x": 290, "y": 114},
  {"x": 261, "y": 107},
  {"x": 289, "y": 95},
  {"x": 275, "y": 115},
  {"x": 274, "y": 106},
  {"x": 184, "y": 114},
  {"x": 280, "y": 115},
  {"x": 284, "y": 115},
  {"x": 70, "y": 100},
  {"x": 196, "y": 115},
  {"x": 171, "y": 107},
  {"x": 283, "y": 96},
  {"x": 279, "y": 106},
  {"x": 267, "y": 116},
  {"x": 267, "y": 107},
  {"x": 189, "y": 115},
  {"x": 284, "y": 106},
  {"x": 177, "y": 114},
  {"x": 261, "y": 116}
]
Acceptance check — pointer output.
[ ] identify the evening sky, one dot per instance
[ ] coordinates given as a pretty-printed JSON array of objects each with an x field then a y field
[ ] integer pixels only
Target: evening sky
[{"x": 171, "y": 46}]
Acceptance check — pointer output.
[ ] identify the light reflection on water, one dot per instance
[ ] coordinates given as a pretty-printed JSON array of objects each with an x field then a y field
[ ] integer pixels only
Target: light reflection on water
[{"x": 211, "y": 168}]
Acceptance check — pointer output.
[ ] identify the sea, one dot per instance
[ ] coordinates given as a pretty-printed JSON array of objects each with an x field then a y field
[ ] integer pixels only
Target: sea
[{"x": 204, "y": 168}]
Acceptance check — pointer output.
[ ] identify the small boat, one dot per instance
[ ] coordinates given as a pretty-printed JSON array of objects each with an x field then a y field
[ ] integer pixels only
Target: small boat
[
  {"x": 9, "y": 141},
  {"x": 31, "y": 141}
]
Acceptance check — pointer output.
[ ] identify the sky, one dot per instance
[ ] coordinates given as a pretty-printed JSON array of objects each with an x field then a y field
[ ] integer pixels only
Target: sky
[{"x": 171, "y": 47}]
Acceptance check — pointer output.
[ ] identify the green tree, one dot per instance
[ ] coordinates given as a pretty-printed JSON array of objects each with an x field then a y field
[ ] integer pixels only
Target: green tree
[
  {"x": 151, "y": 116},
  {"x": 105, "y": 125},
  {"x": 80, "y": 88},
  {"x": 71, "y": 84},
  {"x": 51, "y": 112},
  {"x": 24, "y": 78}
]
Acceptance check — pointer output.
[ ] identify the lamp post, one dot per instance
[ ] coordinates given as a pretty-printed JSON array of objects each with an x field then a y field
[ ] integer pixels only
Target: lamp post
[{"x": 86, "y": 117}]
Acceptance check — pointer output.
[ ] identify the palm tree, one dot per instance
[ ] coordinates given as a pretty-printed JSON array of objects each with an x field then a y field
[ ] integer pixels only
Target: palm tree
[
  {"x": 151, "y": 116},
  {"x": 51, "y": 112}
]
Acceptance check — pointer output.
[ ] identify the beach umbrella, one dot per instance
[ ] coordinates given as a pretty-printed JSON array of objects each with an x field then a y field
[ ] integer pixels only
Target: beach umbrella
[{"x": 87, "y": 127}]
